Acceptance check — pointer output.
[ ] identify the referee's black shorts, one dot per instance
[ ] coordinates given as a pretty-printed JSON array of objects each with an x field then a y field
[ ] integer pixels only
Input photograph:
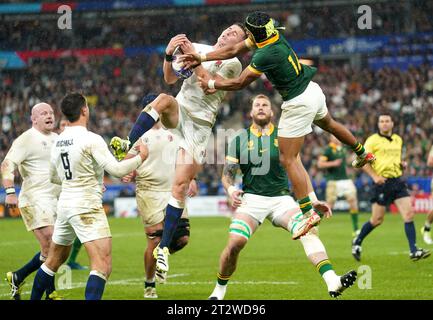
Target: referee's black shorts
[{"x": 391, "y": 190}]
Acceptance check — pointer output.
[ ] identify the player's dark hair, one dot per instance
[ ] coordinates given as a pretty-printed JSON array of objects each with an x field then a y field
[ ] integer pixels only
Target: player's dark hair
[
  {"x": 256, "y": 24},
  {"x": 386, "y": 114},
  {"x": 71, "y": 106},
  {"x": 244, "y": 29}
]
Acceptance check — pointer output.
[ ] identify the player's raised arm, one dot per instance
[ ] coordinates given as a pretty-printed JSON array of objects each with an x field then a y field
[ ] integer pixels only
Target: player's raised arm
[
  {"x": 169, "y": 76},
  {"x": 226, "y": 52},
  {"x": 247, "y": 76},
  {"x": 105, "y": 159}
]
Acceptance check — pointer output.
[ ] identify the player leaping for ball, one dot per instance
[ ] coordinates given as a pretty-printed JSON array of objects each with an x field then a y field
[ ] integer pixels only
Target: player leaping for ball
[
  {"x": 193, "y": 114},
  {"x": 304, "y": 102},
  {"x": 265, "y": 196}
]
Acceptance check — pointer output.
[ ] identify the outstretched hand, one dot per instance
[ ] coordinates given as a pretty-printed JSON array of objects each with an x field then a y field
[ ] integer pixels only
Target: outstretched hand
[
  {"x": 175, "y": 42},
  {"x": 190, "y": 59}
]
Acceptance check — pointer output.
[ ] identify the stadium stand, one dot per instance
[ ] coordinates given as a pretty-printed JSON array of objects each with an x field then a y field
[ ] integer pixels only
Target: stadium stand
[{"x": 114, "y": 83}]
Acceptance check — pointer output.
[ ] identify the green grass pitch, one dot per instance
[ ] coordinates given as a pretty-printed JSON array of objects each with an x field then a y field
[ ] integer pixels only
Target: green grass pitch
[{"x": 272, "y": 266}]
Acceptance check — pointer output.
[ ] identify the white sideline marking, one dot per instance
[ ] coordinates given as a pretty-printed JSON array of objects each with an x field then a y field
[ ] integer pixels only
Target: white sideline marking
[
  {"x": 139, "y": 281},
  {"x": 398, "y": 253}
]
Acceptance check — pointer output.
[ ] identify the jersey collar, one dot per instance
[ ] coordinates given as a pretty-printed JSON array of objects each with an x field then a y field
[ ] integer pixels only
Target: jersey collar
[
  {"x": 268, "y": 41},
  {"x": 389, "y": 138},
  {"x": 255, "y": 131}
]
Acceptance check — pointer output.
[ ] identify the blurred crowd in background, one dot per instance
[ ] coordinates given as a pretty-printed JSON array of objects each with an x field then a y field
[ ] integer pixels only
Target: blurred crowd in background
[
  {"x": 114, "y": 86},
  {"x": 392, "y": 17}
]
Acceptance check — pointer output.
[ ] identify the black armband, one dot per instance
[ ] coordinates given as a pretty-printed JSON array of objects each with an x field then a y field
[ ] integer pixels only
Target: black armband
[{"x": 168, "y": 57}]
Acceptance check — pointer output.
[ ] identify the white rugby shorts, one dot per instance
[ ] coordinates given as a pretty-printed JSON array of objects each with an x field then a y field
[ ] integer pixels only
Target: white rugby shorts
[
  {"x": 261, "y": 207},
  {"x": 194, "y": 134},
  {"x": 40, "y": 214},
  {"x": 87, "y": 226},
  {"x": 298, "y": 113}
]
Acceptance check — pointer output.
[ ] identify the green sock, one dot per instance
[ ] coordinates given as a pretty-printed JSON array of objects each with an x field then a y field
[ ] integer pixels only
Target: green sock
[
  {"x": 305, "y": 204},
  {"x": 76, "y": 246},
  {"x": 358, "y": 148},
  {"x": 354, "y": 217},
  {"x": 324, "y": 266},
  {"x": 222, "y": 280}
]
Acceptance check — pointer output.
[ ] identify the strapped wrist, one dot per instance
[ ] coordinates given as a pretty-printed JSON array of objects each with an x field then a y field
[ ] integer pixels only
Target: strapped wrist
[
  {"x": 10, "y": 190},
  {"x": 211, "y": 84},
  {"x": 168, "y": 57}
]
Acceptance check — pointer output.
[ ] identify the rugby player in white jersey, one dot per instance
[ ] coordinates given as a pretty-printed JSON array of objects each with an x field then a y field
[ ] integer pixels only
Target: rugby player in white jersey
[
  {"x": 193, "y": 114},
  {"x": 30, "y": 153},
  {"x": 78, "y": 160},
  {"x": 154, "y": 179}
]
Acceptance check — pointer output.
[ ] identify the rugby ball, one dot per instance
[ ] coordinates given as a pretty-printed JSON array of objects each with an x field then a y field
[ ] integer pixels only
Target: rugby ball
[{"x": 178, "y": 69}]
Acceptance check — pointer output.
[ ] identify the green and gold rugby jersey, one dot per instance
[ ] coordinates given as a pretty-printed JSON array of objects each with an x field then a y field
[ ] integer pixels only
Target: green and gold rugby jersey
[
  {"x": 333, "y": 152},
  {"x": 259, "y": 159},
  {"x": 277, "y": 60}
]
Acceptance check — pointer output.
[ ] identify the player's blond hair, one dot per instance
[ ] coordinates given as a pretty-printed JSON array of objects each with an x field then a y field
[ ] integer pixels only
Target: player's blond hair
[{"x": 262, "y": 96}]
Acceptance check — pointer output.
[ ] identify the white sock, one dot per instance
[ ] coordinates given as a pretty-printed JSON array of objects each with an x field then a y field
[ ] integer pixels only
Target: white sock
[
  {"x": 219, "y": 291},
  {"x": 47, "y": 270},
  {"x": 332, "y": 280}
]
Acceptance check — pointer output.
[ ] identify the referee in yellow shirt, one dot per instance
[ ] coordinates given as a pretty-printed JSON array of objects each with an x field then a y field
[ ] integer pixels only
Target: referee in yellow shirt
[{"x": 388, "y": 186}]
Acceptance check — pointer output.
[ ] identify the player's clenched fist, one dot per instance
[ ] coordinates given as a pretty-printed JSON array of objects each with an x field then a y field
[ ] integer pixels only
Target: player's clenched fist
[{"x": 175, "y": 42}]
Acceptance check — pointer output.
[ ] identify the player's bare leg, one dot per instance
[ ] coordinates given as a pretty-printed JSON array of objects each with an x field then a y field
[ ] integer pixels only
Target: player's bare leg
[
  {"x": 162, "y": 106},
  {"x": 186, "y": 169},
  {"x": 345, "y": 136},
  {"x": 153, "y": 238},
  {"x": 289, "y": 157},
  {"x": 44, "y": 279},
  {"x": 405, "y": 208},
  {"x": 316, "y": 253},
  {"x": 16, "y": 278},
  {"x": 241, "y": 229},
  {"x": 44, "y": 238},
  {"x": 426, "y": 229},
  {"x": 321, "y": 207},
  {"x": 99, "y": 252},
  {"x": 377, "y": 217}
]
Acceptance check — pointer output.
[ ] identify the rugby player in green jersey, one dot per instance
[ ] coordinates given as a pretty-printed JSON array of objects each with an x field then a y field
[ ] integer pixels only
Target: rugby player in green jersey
[
  {"x": 338, "y": 184},
  {"x": 304, "y": 102},
  {"x": 265, "y": 195}
]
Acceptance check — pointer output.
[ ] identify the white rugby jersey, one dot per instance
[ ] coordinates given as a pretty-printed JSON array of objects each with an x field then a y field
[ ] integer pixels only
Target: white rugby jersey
[
  {"x": 30, "y": 152},
  {"x": 79, "y": 158},
  {"x": 193, "y": 98},
  {"x": 157, "y": 172}
]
